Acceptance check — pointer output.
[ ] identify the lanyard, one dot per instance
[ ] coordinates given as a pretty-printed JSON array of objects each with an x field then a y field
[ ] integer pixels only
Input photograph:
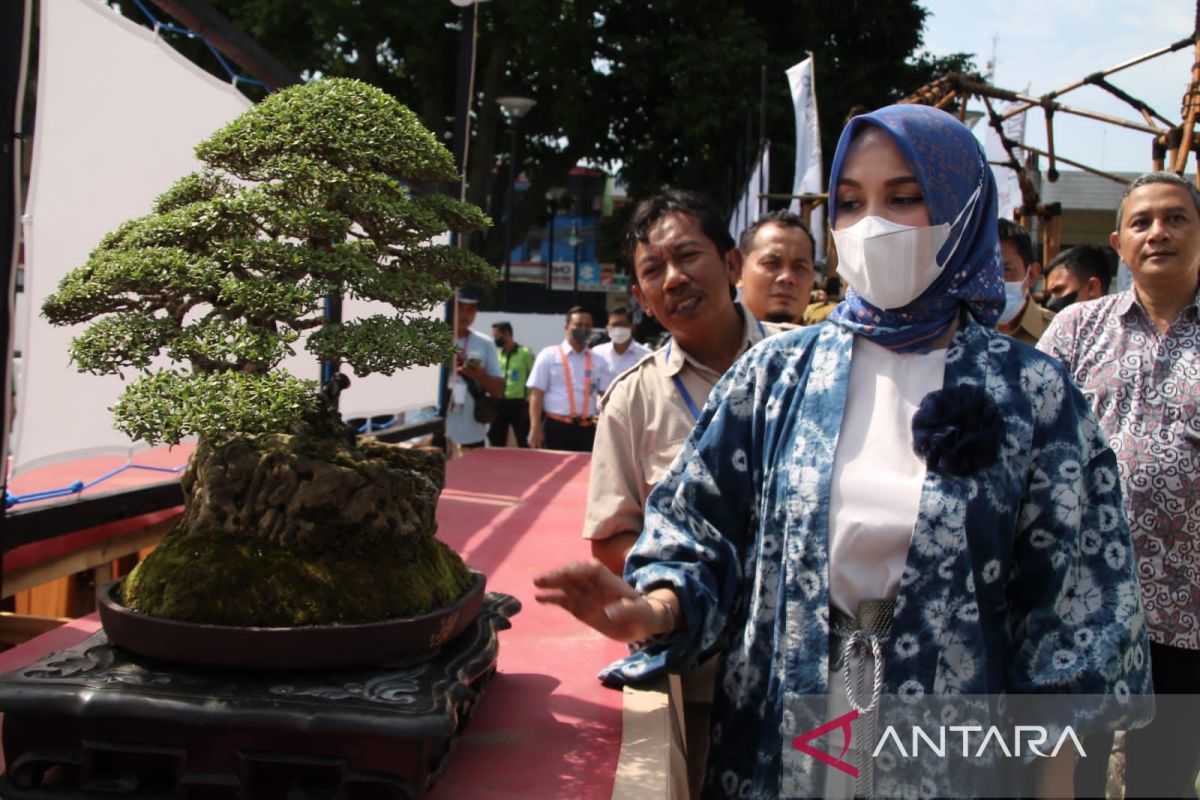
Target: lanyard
[
  {"x": 587, "y": 380},
  {"x": 683, "y": 392}
]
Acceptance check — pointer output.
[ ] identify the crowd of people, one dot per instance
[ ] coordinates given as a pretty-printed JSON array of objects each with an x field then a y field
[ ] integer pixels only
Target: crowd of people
[
  {"x": 943, "y": 489},
  {"x": 940, "y": 481}
]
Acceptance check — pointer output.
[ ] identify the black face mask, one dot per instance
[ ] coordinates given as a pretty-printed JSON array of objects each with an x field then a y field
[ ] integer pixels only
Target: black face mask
[
  {"x": 1057, "y": 304},
  {"x": 499, "y": 340}
]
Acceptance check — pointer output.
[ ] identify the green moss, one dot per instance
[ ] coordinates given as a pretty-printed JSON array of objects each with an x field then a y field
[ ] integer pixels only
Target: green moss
[{"x": 224, "y": 581}]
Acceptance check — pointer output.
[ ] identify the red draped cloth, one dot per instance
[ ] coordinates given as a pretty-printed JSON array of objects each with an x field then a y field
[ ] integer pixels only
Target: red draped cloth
[{"x": 545, "y": 728}]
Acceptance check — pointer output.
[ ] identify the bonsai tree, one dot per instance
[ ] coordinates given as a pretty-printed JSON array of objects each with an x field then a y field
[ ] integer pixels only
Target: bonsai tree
[{"x": 321, "y": 189}]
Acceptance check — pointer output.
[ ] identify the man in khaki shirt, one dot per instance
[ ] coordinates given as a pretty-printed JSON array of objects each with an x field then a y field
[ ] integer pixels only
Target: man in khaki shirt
[
  {"x": 685, "y": 267},
  {"x": 1022, "y": 318},
  {"x": 644, "y": 423}
]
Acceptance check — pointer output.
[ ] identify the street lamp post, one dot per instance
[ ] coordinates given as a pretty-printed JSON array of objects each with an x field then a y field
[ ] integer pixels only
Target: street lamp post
[
  {"x": 515, "y": 109},
  {"x": 465, "y": 79},
  {"x": 553, "y": 198}
]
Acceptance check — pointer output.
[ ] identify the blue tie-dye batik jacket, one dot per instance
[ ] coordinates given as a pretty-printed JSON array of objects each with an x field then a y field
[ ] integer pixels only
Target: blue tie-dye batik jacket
[{"x": 1019, "y": 579}]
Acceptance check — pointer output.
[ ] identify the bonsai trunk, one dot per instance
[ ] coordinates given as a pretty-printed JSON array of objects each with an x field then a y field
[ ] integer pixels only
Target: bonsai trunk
[{"x": 286, "y": 530}]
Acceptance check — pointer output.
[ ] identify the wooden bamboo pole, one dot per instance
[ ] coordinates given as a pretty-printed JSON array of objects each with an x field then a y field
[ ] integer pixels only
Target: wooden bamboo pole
[
  {"x": 1051, "y": 236},
  {"x": 1081, "y": 166},
  {"x": 1191, "y": 100},
  {"x": 945, "y": 101},
  {"x": 1051, "y": 170},
  {"x": 1171, "y": 48},
  {"x": 1148, "y": 113},
  {"x": 1029, "y": 194},
  {"x": 1158, "y": 153},
  {"x": 201, "y": 17},
  {"x": 987, "y": 90},
  {"x": 1083, "y": 112}
]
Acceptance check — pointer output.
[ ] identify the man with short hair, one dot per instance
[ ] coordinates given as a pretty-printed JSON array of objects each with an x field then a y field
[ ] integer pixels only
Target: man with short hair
[
  {"x": 476, "y": 369},
  {"x": 1136, "y": 357},
  {"x": 563, "y": 389},
  {"x": 1021, "y": 318},
  {"x": 620, "y": 352},
  {"x": 516, "y": 362},
  {"x": 685, "y": 268},
  {"x": 777, "y": 267},
  {"x": 1077, "y": 275}
]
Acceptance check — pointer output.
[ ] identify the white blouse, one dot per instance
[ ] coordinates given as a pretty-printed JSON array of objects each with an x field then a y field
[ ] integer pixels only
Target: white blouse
[{"x": 877, "y": 477}]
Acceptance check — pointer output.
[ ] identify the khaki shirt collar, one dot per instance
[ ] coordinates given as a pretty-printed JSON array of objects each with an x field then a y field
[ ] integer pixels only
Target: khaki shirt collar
[
  {"x": 752, "y": 332},
  {"x": 1033, "y": 319}
]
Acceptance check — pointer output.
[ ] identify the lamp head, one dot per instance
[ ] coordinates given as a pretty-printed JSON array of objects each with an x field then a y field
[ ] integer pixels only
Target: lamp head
[{"x": 515, "y": 108}]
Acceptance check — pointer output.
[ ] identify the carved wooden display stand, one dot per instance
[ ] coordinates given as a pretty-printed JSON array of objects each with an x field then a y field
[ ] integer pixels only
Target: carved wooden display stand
[{"x": 98, "y": 721}]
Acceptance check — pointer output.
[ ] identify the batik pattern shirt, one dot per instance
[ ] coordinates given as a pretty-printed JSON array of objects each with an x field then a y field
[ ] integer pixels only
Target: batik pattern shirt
[
  {"x": 1145, "y": 388},
  {"x": 1018, "y": 579}
]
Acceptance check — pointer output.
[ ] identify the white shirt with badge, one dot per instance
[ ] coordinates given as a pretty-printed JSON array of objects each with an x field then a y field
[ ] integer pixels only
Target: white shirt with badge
[{"x": 549, "y": 376}]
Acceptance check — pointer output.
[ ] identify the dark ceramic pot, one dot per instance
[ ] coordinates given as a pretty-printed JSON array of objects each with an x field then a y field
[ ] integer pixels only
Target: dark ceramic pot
[{"x": 406, "y": 639}]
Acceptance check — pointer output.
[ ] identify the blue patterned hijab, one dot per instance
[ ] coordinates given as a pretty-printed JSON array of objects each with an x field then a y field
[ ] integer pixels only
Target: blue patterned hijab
[{"x": 949, "y": 165}]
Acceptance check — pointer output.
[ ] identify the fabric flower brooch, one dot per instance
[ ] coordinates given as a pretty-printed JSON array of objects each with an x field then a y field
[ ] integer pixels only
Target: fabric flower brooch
[{"x": 958, "y": 431}]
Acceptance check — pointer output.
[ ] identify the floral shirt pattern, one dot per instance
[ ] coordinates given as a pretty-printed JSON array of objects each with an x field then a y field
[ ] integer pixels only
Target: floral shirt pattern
[
  {"x": 1018, "y": 579},
  {"x": 1145, "y": 388}
]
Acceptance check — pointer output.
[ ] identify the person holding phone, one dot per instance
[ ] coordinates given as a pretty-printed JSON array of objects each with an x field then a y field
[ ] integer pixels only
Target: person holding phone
[{"x": 475, "y": 361}]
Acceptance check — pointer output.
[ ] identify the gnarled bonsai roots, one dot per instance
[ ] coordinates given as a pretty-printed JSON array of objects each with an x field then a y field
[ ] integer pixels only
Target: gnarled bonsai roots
[{"x": 282, "y": 530}]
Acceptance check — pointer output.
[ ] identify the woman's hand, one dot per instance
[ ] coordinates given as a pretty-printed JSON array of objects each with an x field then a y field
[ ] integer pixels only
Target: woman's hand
[{"x": 600, "y": 599}]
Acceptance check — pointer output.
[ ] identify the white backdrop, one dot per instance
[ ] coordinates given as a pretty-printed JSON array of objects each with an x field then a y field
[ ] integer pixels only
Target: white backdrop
[{"x": 118, "y": 114}]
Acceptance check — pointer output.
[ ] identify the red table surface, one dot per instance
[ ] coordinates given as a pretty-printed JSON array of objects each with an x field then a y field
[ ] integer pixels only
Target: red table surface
[{"x": 545, "y": 728}]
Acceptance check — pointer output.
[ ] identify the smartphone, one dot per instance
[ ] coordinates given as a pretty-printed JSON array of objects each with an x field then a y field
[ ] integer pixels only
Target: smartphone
[{"x": 474, "y": 361}]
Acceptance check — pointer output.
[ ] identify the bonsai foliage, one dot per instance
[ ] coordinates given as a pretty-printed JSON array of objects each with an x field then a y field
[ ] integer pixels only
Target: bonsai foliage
[{"x": 317, "y": 190}]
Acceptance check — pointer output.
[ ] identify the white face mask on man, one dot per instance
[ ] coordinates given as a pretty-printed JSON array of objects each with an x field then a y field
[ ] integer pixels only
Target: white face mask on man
[
  {"x": 1014, "y": 301},
  {"x": 619, "y": 334},
  {"x": 888, "y": 264}
]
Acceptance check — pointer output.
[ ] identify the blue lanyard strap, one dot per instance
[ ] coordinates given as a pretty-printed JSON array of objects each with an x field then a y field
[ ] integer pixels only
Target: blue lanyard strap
[{"x": 683, "y": 392}]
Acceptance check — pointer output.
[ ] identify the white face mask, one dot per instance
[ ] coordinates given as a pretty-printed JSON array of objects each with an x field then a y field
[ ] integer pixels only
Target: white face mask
[
  {"x": 888, "y": 264},
  {"x": 1014, "y": 301},
  {"x": 620, "y": 335}
]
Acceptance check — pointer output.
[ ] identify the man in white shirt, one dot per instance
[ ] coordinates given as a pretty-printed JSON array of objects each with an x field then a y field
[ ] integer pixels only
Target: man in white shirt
[
  {"x": 563, "y": 389},
  {"x": 620, "y": 352},
  {"x": 476, "y": 363}
]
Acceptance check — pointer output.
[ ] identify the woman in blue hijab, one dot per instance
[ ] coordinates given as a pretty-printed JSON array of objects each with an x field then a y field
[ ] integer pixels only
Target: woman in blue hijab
[{"x": 900, "y": 506}]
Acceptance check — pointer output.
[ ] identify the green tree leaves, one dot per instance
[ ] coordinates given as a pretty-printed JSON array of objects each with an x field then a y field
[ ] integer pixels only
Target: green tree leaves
[
  {"x": 665, "y": 92},
  {"x": 335, "y": 123},
  {"x": 384, "y": 344},
  {"x": 167, "y": 406}
]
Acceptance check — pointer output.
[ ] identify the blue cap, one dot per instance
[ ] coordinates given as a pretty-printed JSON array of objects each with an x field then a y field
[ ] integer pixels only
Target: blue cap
[{"x": 468, "y": 295}]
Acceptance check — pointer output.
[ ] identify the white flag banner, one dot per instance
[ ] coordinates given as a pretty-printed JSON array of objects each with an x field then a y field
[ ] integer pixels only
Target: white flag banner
[
  {"x": 808, "y": 175},
  {"x": 1008, "y": 188},
  {"x": 751, "y": 205}
]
